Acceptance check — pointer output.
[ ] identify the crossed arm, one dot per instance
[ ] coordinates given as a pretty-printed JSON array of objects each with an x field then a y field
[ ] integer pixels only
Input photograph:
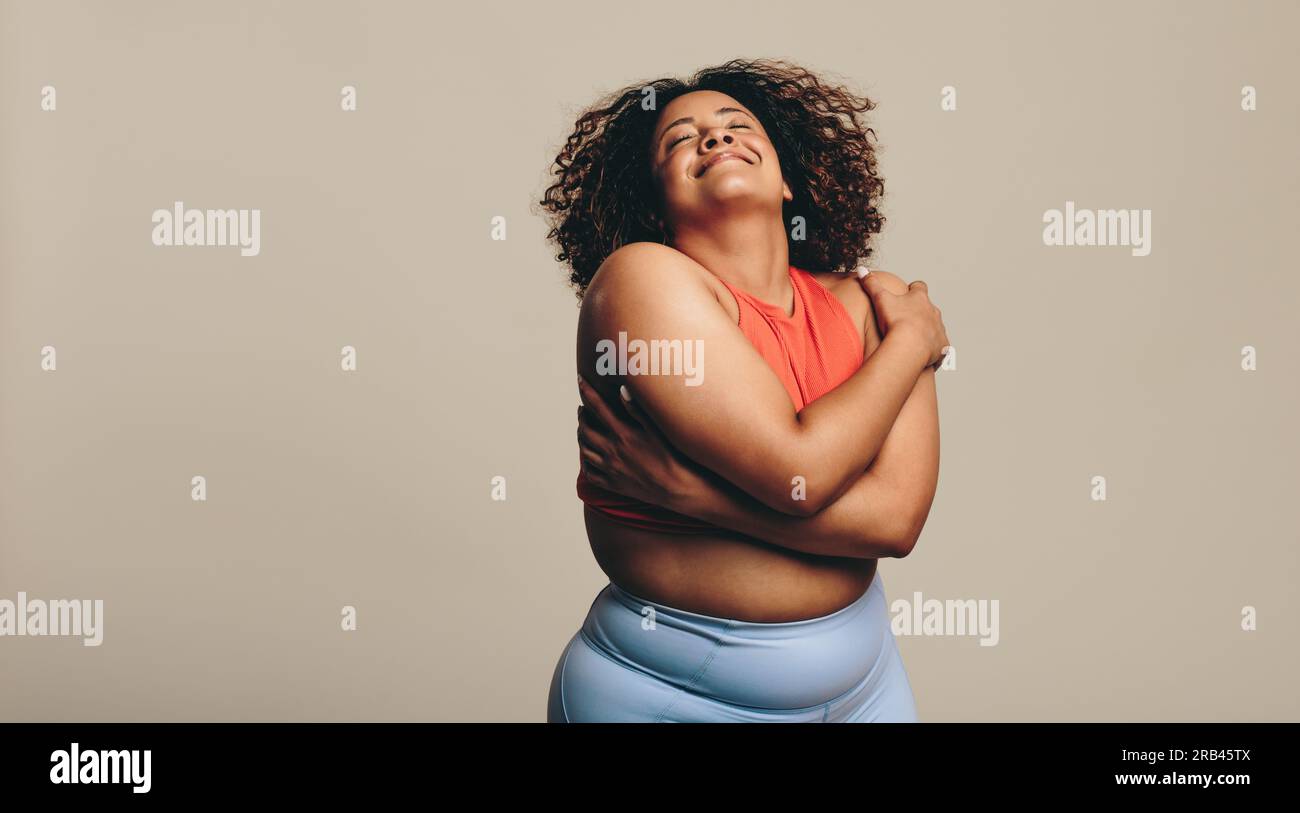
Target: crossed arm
[
  {"x": 880, "y": 512},
  {"x": 737, "y": 419},
  {"x": 880, "y": 515}
]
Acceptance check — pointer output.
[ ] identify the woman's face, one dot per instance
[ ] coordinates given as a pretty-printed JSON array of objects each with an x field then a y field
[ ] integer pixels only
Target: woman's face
[{"x": 697, "y": 183}]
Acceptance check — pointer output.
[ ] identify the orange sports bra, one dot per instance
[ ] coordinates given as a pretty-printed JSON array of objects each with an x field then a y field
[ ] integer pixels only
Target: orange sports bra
[{"x": 812, "y": 351}]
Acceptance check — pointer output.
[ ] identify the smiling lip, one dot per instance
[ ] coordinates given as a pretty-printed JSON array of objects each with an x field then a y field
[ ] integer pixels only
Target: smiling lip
[{"x": 720, "y": 157}]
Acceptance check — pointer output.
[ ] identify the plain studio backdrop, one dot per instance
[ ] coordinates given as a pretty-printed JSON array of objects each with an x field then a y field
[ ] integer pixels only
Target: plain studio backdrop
[{"x": 372, "y": 488}]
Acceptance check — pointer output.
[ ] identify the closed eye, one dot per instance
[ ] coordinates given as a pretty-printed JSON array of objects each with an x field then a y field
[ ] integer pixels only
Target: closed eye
[{"x": 685, "y": 136}]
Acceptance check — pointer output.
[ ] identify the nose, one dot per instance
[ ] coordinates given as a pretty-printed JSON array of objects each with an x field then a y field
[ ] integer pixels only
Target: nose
[{"x": 715, "y": 136}]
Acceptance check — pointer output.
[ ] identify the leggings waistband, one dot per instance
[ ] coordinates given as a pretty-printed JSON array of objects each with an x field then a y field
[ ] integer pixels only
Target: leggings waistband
[{"x": 782, "y": 665}]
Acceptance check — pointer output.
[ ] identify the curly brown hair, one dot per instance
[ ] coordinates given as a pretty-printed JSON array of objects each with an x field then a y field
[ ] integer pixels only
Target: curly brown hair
[{"x": 605, "y": 196}]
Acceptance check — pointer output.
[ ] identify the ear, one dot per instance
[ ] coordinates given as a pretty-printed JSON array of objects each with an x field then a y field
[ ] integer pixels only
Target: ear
[{"x": 785, "y": 191}]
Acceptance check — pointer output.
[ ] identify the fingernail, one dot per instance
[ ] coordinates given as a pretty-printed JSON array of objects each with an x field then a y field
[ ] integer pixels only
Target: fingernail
[
  {"x": 622, "y": 390},
  {"x": 863, "y": 271}
]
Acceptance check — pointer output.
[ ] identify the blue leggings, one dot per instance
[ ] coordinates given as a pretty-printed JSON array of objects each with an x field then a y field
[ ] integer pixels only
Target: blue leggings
[{"x": 635, "y": 660}]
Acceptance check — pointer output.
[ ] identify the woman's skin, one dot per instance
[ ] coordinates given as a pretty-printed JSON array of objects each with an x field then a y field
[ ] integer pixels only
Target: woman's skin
[
  {"x": 623, "y": 451},
  {"x": 793, "y": 558}
]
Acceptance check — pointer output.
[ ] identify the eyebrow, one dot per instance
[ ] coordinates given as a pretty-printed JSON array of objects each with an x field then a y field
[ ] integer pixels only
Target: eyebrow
[{"x": 689, "y": 119}]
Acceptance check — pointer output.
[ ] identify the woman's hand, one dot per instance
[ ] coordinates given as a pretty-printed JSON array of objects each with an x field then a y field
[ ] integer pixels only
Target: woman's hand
[
  {"x": 911, "y": 310},
  {"x": 623, "y": 451}
]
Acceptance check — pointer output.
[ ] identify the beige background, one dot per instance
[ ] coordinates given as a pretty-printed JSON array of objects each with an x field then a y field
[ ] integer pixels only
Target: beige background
[{"x": 372, "y": 488}]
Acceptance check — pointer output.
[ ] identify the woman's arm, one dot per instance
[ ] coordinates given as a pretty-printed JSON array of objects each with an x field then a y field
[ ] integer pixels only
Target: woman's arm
[
  {"x": 880, "y": 515},
  {"x": 738, "y": 421}
]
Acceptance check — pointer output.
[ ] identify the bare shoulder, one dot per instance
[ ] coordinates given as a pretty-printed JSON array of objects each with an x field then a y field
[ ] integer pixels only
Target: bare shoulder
[
  {"x": 892, "y": 283},
  {"x": 648, "y": 276},
  {"x": 643, "y": 266},
  {"x": 648, "y": 284}
]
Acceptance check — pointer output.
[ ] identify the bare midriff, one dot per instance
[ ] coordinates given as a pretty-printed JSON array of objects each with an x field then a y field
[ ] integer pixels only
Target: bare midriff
[{"x": 725, "y": 576}]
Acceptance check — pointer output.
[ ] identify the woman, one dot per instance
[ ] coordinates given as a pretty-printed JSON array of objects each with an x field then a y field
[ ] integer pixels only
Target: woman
[{"x": 739, "y": 498}]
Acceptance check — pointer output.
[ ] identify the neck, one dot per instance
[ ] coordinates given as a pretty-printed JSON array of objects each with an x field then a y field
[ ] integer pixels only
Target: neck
[{"x": 749, "y": 251}]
